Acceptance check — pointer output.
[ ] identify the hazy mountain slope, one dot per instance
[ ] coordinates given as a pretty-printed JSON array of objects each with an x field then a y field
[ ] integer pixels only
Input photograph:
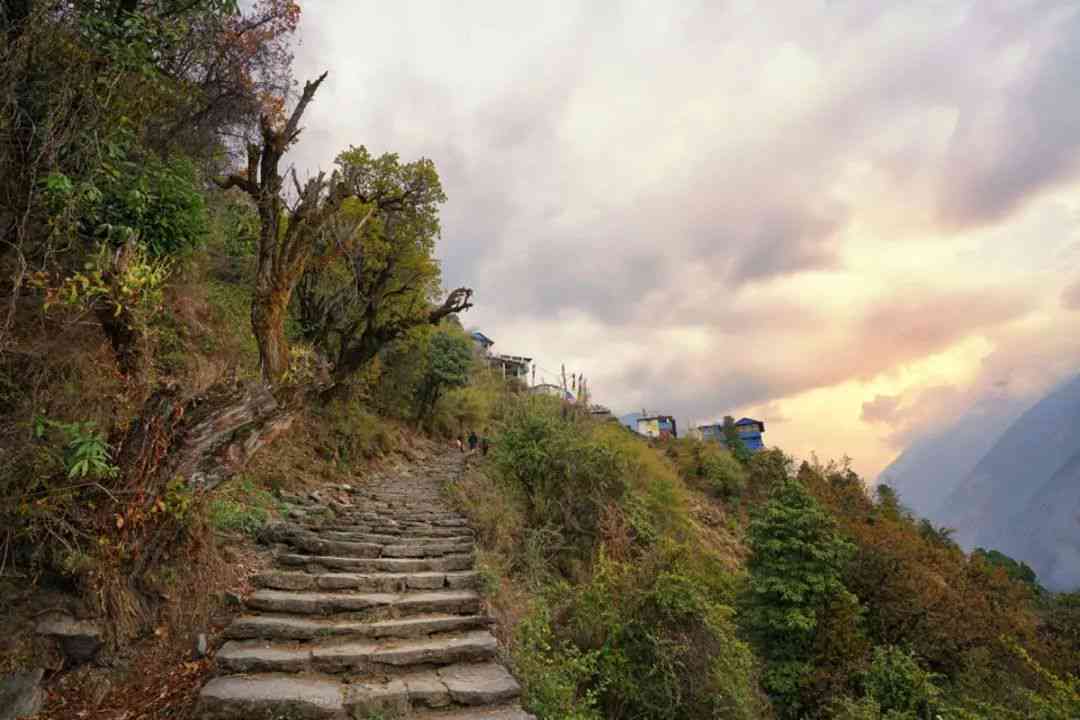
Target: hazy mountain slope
[
  {"x": 935, "y": 464},
  {"x": 1029, "y": 465},
  {"x": 1047, "y": 533}
]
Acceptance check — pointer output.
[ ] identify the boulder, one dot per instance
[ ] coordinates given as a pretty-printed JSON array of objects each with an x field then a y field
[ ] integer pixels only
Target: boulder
[
  {"x": 80, "y": 640},
  {"x": 21, "y": 695}
]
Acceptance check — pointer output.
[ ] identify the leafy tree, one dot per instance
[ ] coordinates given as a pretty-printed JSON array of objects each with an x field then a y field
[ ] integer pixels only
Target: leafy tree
[
  {"x": 899, "y": 685},
  {"x": 289, "y": 238},
  {"x": 734, "y": 441},
  {"x": 374, "y": 280},
  {"x": 888, "y": 502},
  {"x": 450, "y": 356},
  {"x": 1017, "y": 570},
  {"x": 795, "y": 571}
]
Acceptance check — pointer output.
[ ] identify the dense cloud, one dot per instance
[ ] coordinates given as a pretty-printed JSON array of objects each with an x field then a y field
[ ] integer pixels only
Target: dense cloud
[{"x": 705, "y": 207}]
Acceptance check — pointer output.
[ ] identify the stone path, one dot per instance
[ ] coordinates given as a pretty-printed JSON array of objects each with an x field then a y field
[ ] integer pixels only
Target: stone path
[{"x": 371, "y": 612}]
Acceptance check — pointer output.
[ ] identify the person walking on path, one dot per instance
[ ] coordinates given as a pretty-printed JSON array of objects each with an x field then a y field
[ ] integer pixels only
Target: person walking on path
[
  {"x": 460, "y": 445},
  {"x": 473, "y": 440},
  {"x": 484, "y": 446}
]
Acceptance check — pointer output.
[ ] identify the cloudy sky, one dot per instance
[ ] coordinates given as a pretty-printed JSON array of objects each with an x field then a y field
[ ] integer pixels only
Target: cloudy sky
[{"x": 849, "y": 218}]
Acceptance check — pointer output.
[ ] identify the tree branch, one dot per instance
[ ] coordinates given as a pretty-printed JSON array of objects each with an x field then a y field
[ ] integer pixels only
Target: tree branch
[{"x": 457, "y": 301}]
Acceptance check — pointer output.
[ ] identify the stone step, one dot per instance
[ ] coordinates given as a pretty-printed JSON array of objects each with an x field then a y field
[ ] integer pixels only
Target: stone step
[
  {"x": 360, "y": 655},
  {"x": 459, "y": 684},
  {"x": 393, "y": 529},
  {"x": 312, "y": 543},
  {"x": 380, "y": 582},
  {"x": 411, "y": 549},
  {"x": 402, "y": 517},
  {"x": 291, "y": 627},
  {"x": 446, "y": 563},
  {"x": 434, "y": 692},
  {"x": 463, "y": 602},
  {"x": 271, "y": 697},
  {"x": 399, "y": 531},
  {"x": 392, "y": 539}
]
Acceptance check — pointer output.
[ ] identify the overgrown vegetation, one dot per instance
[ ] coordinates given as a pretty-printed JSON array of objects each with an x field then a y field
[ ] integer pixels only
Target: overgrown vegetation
[
  {"x": 626, "y": 606},
  {"x": 151, "y": 343}
]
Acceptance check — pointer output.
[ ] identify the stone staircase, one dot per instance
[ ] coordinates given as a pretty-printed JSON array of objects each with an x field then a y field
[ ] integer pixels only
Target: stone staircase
[{"x": 372, "y": 614}]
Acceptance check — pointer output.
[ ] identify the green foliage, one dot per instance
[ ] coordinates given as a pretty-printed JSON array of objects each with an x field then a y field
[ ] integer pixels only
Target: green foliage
[
  {"x": 1059, "y": 698},
  {"x": 235, "y": 225},
  {"x": 795, "y": 570},
  {"x": 374, "y": 276},
  {"x": 243, "y": 507},
  {"x": 888, "y": 503},
  {"x": 449, "y": 359},
  {"x": 131, "y": 195},
  {"x": 768, "y": 469},
  {"x": 667, "y": 646},
  {"x": 354, "y": 433},
  {"x": 1019, "y": 571},
  {"x": 898, "y": 685},
  {"x": 568, "y": 476},
  {"x": 87, "y": 454},
  {"x": 556, "y": 673},
  {"x": 712, "y": 464},
  {"x": 724, "y": 474},
  {"x": 734, "y": 442},
  {"x": 129, "y": 282}
]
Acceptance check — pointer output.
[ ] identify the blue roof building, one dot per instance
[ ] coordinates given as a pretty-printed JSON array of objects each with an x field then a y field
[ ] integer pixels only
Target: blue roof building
[
  {"x": 483, "y": 342},
  {"x": 749, "y": 430}
]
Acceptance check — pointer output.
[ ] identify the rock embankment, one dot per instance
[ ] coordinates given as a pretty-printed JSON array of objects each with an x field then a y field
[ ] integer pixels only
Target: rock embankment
[{"x": 371, "y": 611}]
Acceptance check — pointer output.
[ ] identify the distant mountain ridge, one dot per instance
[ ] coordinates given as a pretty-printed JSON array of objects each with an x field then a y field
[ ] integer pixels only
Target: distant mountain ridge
[
  {"x": 1016, "y": 490},
  {"x": 933, "y": 466}
]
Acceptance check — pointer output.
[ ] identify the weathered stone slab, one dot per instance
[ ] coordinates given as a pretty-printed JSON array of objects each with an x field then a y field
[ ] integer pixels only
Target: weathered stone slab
[
  {"x": 291, "y": 627},
  {"x": 365, "y": 699},
  {"x": 425, "y": 688},
  {"x": 21, "y": 694},
  {"x": 483, "y": 684},
  {"x": 270, "y": 697},
  {"x": 248, "y": 656}
]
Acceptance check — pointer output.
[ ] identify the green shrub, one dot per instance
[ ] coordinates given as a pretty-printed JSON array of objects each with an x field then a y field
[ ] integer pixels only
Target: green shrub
[
  {"x": 555, "y": 674},
  {"x": 667, "y": 646},
  {"x": 131, "y": 194},
  {"x": 724, "y": 475},
  {"x": 897, "y": 683},
  {"x": 242, "y": 507},
  {"x": 568, "y": 476},
  {"x": 86, "y": 452},
  {"x": 795, "y": 571}
]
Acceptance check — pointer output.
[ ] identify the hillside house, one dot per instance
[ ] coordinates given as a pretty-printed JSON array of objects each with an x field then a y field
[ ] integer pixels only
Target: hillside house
[
  {"x": 511, "y": 366},
  {"x": 749, "y": 430},
  {"x": 657, "y": 426},
  {"x": 483, "y": 342}
]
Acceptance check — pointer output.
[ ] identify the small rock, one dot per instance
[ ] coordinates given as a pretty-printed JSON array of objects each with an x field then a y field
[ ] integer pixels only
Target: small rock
[
  {"x": 275, "y": 531},
  {"x": 80, "y": 640},
  {"x": 202, "y": 646},
  {"x": 21, "y": 695}
]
